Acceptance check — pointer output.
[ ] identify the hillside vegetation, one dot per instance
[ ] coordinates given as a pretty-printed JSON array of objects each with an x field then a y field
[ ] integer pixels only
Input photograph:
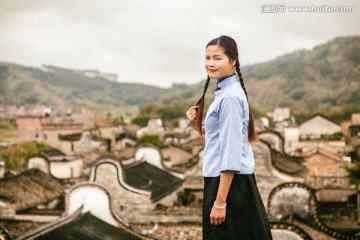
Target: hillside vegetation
[{"x": 324, "y": 79}]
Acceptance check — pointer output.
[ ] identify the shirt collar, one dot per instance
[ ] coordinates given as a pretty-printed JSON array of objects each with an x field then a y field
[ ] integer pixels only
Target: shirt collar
[{"x": 226, "y": 81}]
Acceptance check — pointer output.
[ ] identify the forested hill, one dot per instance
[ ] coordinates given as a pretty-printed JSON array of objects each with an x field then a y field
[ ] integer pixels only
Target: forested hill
[
  {"x": 306, "y": 80},
  {"x": 57, "y": 86},
  {"x": 327, "y": 75}
]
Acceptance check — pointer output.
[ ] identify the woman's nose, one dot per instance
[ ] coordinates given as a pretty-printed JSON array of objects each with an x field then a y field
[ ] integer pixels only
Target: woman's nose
[{"x": 210, "y": 63}]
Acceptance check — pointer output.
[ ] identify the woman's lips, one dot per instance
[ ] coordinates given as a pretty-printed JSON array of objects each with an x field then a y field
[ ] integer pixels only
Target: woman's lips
[{"x": 212, "y": 70}]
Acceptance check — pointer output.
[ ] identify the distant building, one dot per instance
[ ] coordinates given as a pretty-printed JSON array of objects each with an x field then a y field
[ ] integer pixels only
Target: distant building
[
  {"x": 317, "y": 127},
  {"x": 2, "y": 168},
  {"x": 282, "y": 119},
  {"x": 79, "y": 143},
  {"x": 154, "y": 127},
  {"x": 95, "y": 73},
  {"x": 281, "y": 114},
  {"x": 320, "y": 162},
  {"x": 57, "y": 164},
  {"x": 175, "y": 157},
  {"x": 291, "y": 137},
  {"x": 47, "y": 129},
  {"x": 354, "y": 129}
]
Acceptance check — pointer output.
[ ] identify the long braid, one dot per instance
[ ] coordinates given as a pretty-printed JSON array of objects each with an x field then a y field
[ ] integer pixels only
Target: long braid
[
  {"x": 251, "y": 128},
  {"x": 237, "y": 66},
  {"x": 206, "y": 85},
  {"x": 200, "y": 111}
]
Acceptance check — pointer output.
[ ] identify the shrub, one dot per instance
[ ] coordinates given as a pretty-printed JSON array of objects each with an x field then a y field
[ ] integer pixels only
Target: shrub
[{"x": 154, "y": 139}]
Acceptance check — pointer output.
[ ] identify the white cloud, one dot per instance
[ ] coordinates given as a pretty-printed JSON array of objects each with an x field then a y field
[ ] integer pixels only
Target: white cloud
[{"x": 158, "y": 41}]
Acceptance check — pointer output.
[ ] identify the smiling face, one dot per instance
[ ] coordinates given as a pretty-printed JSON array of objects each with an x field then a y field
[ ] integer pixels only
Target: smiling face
[{"x": 217, "y": 64}]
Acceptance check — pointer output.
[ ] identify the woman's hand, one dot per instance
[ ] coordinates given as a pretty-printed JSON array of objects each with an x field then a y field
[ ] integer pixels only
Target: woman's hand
[
  {"x": 217, "y": 216},
  {"x": 191, "y": 114}
]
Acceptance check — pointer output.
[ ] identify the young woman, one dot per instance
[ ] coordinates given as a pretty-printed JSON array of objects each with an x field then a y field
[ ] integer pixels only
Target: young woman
[{"x": 232, "y": 206}]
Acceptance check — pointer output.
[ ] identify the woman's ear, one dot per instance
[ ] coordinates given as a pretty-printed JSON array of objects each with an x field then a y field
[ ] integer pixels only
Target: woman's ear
[{"x": 233, "y": 63}]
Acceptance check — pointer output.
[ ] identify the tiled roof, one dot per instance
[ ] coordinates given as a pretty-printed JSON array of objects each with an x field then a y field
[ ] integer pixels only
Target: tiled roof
[
  {"x": 126, "y": 153},
  {"x": 195, "y": 142},
  {"x": 148, "y": 177},
  {"x": 70, "y": 137},
  {"x": 288, "y": 165},
  {"x": 17, "y": 228},
  {"x": 176, "y": 155},
  {"x": 131, "y": 127},
  {"x": 30, "y": 189},
  {"x": 81, "y": 226},
  {"x": 51, "y": 152}
]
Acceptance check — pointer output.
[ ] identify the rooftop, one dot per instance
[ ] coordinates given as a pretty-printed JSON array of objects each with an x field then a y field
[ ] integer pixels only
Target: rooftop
[
  {"x": 81, "y": 226},
  {"x": 148, "y": 177},
  {"x": 177, "y": 155},
  {"x": 30, "y": 189}
]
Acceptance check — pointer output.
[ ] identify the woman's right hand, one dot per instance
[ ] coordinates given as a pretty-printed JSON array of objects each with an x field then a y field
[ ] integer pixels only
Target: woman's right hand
[{"x": 191, "y": 114}]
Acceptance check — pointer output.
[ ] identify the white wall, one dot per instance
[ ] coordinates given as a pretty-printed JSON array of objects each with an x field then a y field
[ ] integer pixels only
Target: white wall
[
  {"x": 38, "y": 162},
  {"x": 2, "y": 169},
  {"x": 66, "y": 169},
  {"x": 151, "y": 155},
  {"x": 94, "y": 200},
  {"x": 6, "y": 209},
  {"x": 292, "y": 136}
]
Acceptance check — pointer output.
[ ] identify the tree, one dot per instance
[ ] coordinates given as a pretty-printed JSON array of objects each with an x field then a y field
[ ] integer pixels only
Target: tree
[
  {"x": 142, "y": 121},
  {"x": 154, "y": 139},
  {"x": 354, "y": 178}
]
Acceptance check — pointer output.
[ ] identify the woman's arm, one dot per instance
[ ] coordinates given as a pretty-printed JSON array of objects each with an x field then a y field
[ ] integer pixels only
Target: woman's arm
[{"x": 217, "y": 216}]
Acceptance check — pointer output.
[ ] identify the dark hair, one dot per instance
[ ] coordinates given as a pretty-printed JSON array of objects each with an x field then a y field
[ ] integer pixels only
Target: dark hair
[{"x": 230, "y": 50}]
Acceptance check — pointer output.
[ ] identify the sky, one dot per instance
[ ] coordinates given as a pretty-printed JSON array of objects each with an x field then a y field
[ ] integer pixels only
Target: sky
[{"x": 161, "y": 42}]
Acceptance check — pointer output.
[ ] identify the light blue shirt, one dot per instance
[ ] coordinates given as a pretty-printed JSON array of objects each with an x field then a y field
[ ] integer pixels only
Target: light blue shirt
[{"x": 226, "y": 131}]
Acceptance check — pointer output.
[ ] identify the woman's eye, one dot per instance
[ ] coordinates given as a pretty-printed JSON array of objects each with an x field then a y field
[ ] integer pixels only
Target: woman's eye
[{"x": 218, "y": 59}]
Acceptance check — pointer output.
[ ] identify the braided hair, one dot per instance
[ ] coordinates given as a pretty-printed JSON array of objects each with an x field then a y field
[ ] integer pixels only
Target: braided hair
[
  {"x": 230, "y": 49},
  {"x": 200, "y": 111}
]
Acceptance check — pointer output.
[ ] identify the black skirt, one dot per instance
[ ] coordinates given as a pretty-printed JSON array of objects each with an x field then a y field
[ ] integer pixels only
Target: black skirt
[{"x": 245, "y": 212}]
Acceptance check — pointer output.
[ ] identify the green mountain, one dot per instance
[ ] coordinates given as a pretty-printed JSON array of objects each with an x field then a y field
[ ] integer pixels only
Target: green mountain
[
  {"x": 64, "y": 87},
  {"x": 328, "y": 75},
  {"x": 306, "y": 80}
]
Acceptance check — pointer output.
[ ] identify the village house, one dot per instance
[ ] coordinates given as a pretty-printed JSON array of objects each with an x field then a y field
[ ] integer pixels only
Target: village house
[
  {"x": 57, "y": 164},
  {"x": 179, "y": 135},
  {"x": 291, "y": 138},
  {"x": 281, "y": 114},
  {"x": 318, "y": 127},
  {"x": 154, "y": 127},
  {"x": 89, "y": 214},
  {"x": 354, "y": 130},
  {"x": 119, "y": 137},
  {"x": 32, "y": 195},
  {"x": 176, "y": 158},
  {"x": 12, "y": 112},
  {"x": 79, "y": 143},
  {"x": 47, "y": 129},
  {"x": 138, "y": 184},
  {"x": 321, "y": 162},
  {"x": 2, "y": 168},
  {"x": 130, "y": 130},
  {"x": 281, "y": 118}
]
